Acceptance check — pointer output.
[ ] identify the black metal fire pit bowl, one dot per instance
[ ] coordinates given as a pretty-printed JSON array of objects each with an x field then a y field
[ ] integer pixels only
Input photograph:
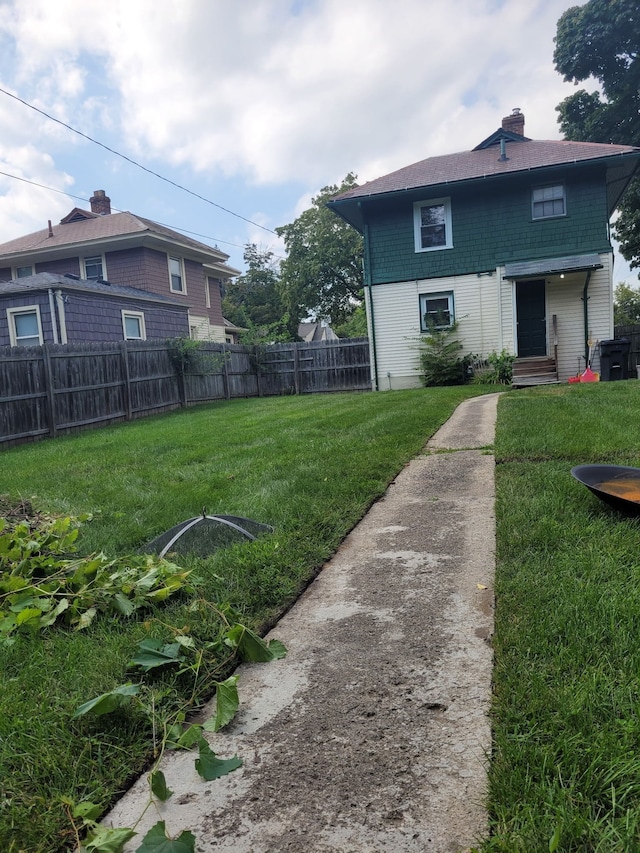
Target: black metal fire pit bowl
[{"x": 616, "y": 485}]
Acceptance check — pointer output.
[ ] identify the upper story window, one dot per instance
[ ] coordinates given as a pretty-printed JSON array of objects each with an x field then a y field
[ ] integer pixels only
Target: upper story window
[
  {"x": 436, "y": 311},
  {"x": 133, "y": 326},
  {"x": 25, "y": 328},
  {"x": 432, "y": 225},
  {"x": 176, "y": 275},
  {"x": 548, "y": 201},
  {"x": 94, "y": 267},
  {"x": 23, "y": 272}
]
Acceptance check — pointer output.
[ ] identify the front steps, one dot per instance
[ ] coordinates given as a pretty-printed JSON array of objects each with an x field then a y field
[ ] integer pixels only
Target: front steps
[{"x": 534, "y": 371}]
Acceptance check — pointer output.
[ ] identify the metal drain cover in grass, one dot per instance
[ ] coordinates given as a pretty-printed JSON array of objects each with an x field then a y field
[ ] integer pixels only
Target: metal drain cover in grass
[{"x": 205, "y": 534}]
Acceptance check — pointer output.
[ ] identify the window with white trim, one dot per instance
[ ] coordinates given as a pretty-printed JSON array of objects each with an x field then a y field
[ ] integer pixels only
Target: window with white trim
[
  {"x": 176, "y": 275},
  {"x": 133, "y": 326},
  {"x": 25, "y": 328},
  {"x": 23, "y": 272},
  {"x": 436, "y": 311},
  {"x": 432, "y": 225},
  {"x": 547, "y": 202},
  {"x": 94, "y": 268}
]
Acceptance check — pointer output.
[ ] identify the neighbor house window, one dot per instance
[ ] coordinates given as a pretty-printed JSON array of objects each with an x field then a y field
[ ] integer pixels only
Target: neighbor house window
[
  {"x": 548, "y": 201},
  {"x": 432, "y": 225},
  {"x": 133, "y": 326},
  {"x": 436, "y": 311},
  {"x": 94, "y": 268},
  {"x": 25, "y": 329},
  {"x": 176, "y": 275},
  {"x": 23, "y": 272}
]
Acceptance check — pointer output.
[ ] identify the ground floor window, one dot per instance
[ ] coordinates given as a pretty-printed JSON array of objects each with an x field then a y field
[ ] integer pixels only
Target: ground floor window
[
  {"x": 133, "y": 326},
  {"x": 436, "y": 311},
  {"x": 25, "y": 328}
]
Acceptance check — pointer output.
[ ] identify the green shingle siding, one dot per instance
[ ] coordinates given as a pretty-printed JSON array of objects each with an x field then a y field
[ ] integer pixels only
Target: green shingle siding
[{"x": 491, "y": 225}]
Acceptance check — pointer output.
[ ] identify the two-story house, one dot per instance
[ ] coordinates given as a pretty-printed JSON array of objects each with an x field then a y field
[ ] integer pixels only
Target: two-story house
[
  {"x": 510, "y": 240},
  {"x": 132, "y": 254}
]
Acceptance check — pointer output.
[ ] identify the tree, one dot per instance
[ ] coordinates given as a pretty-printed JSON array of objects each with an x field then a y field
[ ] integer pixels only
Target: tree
[
  {"x": 601, "y": 39},
  {"x": 626, "y": 305},
  {"x": 322, "y": 273},
  {"x": 253, "y": 301}
]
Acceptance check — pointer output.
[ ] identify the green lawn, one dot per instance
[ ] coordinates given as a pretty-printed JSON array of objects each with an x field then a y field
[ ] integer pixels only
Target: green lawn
[
  {"x": 310, "y": 466},
  {"x": 565, "y": 773}
]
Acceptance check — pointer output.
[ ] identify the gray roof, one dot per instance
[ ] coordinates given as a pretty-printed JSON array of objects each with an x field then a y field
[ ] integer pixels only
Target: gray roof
[
  {"x": 549, "y": 266},
  {"x": 438, "y": 174},
  {"x": 50, "y": 281}
]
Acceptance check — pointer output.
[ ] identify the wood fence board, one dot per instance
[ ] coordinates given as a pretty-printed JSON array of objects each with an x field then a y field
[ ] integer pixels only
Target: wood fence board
[{"x": 64, "y": 387}]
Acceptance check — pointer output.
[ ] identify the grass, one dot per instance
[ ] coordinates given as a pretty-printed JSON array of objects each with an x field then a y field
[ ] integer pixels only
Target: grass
[
  {"x": 309, "y": 466},
  {"x": 565, "y": 773}
]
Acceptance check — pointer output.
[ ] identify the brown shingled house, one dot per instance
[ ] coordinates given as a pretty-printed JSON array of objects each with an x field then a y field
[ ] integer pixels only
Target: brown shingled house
[{"x": 128, "y": 251}]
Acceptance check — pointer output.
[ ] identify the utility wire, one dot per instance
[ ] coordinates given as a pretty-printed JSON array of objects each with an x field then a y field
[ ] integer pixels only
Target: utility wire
[
  {"x": 81, "y": 198},
  {"x": 134, "y": 163}
]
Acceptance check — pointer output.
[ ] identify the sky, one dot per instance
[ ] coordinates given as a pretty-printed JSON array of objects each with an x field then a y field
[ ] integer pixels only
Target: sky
[{"x": 254, "y": 105}]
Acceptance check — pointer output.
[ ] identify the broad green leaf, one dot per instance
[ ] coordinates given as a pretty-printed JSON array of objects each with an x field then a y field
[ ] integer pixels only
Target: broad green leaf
[
  {"x": 30, "y": 614},
  {"x": 157, "y": 841},
  {"x": 89, "y": 812},
  {"x": 159, "y": 786},
  {"x": 226, "y": 704},
  {"x": 106, "y": 840},
  {"x": 108, "y": 702},
  {"x": 86, "y": 618},
  {"x": 189, "y": 737},
  {"x": 122, "y": 604},
  {"x": 554, "y": 841},
  {"x": 186, "y": 642},
  {"x": 153, "y": 653},
  {"x": 277, "y": 649},
  {"x": 210, "y": 767},
  {"x": 251, "y": 647},
  {"x": 50, "y": 618}
]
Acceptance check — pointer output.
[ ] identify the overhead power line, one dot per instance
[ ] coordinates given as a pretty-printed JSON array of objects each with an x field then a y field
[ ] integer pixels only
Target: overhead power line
[
  {"x": 134, "y": 162},
  {"x": 82, "y": 198}
]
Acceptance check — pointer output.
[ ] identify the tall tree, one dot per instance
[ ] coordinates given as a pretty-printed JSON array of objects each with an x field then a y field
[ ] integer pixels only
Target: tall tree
[
  {"x": 253, "y": 301},
  {"x": 322, "y": 273},
  {"x": 626, "y": 305},
  {"x": 601, "y": 39}
]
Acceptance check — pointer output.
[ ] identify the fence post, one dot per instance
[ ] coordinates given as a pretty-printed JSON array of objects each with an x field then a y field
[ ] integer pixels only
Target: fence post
[
  {"x": 48, "y": 379},
  {"x": 126, "y": 380},
  {"x": 225, "y": 373},
  {"x": 256, "y": 353},
  {"x": 296, "y": 368}
]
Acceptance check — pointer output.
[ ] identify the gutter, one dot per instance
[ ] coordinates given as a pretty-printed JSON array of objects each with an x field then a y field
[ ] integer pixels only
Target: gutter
[
  {"x": 585, "y": 299},
  {"x": 368, "y": 289},
  {"x": 54, "y": 319},
  {"x": 63, "y": 321}
]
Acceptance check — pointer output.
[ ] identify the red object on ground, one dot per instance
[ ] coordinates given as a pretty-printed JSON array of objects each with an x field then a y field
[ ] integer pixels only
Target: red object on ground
[
  {"x": 573, "y": 379},
  {"x": 588, "y": 376}
]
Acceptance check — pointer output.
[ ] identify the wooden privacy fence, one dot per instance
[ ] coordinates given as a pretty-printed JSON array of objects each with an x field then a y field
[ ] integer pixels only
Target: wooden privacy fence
[
  {"x": 632, "y": 333},
  {"x": 55, "y": 388}
]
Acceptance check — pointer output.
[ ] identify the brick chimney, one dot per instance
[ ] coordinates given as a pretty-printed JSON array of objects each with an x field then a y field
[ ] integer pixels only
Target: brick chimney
[
  {"x": 100, "y": 203},
  {"x": 515, "y": 122}
]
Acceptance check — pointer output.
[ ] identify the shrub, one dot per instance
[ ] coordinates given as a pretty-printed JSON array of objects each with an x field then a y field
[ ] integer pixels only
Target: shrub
[
  {"x": 497, "y": 369},
  {"x": 440, "y": 357}
]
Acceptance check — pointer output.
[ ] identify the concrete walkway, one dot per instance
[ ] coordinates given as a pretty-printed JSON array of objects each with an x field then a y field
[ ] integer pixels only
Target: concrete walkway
[{"x": 372, "y": 734}]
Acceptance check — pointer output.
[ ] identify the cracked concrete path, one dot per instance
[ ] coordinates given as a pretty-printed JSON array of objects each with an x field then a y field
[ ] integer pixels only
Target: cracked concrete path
[{"x": 372, "y": 735}]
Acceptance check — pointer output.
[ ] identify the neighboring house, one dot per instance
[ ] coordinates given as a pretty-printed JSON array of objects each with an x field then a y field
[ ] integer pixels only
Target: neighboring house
[
  {"x": 129, "y": 251},
  {"x": 511, "y": 240},
  {"x": 54, "y": 308},
  {"x": 316, "y": 332}
]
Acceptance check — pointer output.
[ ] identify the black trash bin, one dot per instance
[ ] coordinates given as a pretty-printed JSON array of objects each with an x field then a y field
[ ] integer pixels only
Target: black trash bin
[{"x": 614, "y": 359}]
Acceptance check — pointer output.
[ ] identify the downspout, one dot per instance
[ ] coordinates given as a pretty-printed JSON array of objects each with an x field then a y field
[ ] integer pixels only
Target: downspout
[
  {"x": 63, "y": 321},
  {"x": 585, "y": 299},
  {"x": 367, "y": 284},
  {"x": 54, "y": 319}
]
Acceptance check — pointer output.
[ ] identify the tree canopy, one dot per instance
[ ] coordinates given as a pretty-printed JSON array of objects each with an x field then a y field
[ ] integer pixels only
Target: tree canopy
[
  {"x": 252, "y": 302},
  {"x": 601, "y": 39},
  {"x": 322, "y": 273},
  {"x": 626, "y": 305}
]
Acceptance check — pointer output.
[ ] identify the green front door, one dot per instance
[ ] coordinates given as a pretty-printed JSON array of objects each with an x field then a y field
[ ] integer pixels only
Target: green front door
[{"x": 531, "y": 318}]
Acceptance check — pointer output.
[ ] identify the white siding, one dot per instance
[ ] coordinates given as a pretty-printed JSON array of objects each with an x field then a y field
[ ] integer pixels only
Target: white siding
[
  {"x": 484, "y": 307},
  {"x": 397, "y": 322},
  {"x": 202, "y": 330}
]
